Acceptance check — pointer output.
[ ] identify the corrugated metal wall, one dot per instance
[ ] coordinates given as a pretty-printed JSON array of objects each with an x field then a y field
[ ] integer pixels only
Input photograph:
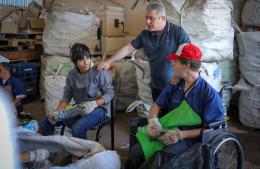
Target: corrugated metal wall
[{"x": 19, "y": 3}]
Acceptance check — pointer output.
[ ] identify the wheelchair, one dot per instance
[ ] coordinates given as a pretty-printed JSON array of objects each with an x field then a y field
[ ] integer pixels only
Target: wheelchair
[
  {"x": 216, "y": 148},
  {"x": 223, "y": 149}
]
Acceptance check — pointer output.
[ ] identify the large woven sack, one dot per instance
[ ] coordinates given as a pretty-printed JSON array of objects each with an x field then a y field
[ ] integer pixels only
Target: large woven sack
[
  {"x": 249, "y": 56},
  {"x": 54, "y": 86},
  {"x": 63, "y": 29},
  {"x": 208, "y": 24}
]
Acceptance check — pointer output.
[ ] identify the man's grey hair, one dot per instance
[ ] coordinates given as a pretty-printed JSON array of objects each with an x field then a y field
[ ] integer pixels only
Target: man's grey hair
[{"x": 158, "y": 7}]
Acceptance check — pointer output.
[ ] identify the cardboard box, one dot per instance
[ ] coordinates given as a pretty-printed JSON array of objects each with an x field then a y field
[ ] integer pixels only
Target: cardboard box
[
  {"x": 111, "y": 44},
  {"x": 34, "y": 9},
  {"x": 9, "y": 24},
  {"x": 36, "y": 23},
  {"x": 108, "y": 18}
]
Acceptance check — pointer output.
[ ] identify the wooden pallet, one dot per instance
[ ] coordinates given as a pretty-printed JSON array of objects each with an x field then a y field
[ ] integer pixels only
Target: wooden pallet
[
  {"x": 22, "y": 55},
  {"x": 19, "y": 41}
]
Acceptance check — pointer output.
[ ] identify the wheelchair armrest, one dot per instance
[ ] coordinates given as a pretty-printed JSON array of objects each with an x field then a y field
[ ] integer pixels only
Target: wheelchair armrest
[
  {"x": 212, "y": 129},
  {"x": 217, "y": 124}
]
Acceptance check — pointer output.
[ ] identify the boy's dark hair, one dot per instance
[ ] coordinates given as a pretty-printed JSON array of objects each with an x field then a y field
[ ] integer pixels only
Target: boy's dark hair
[
  {"x": 78, "y": 51},
  {"x": 194, "y": 65}
]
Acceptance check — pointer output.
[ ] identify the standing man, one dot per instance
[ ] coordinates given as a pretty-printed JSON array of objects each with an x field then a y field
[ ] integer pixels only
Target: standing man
[{"x": 161, "y": 39}]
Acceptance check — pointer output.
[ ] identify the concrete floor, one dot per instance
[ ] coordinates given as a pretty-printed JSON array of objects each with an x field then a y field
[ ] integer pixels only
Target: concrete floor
[{"x": 249, "y": 138}]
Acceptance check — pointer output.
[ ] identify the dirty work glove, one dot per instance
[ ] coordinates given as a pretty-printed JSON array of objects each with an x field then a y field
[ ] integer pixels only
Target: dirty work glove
[
  {"x": 87, "y": 107},
  {"x": 170, "y": 137},
  {"x": 154, "y": 128},
  {"x": 39, "y": 155}
]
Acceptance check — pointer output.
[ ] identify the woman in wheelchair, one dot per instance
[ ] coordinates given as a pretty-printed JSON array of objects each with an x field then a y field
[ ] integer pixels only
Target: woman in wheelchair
[
  {"x": 90, "y": 89},
  {"x": 192, "y": 102}
]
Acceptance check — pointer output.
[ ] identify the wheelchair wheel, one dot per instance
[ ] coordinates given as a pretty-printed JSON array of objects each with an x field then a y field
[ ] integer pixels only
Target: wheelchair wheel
[{"x": 228, "y": 153}]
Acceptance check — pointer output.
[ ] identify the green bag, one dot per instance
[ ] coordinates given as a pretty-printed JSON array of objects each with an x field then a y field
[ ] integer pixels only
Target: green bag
[{"x": 183, "y": 115}]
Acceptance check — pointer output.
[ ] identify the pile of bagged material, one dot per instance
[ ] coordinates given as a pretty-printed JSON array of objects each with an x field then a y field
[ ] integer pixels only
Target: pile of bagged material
[
  {"x": 230, "y": 76},
  {"x": 250, "y": 13},
  {"x": 249, "y": 56},
  {"x": 143, "y": 76},
  {"x": 208, "y": 24},
  {"x": 237, "y": 10},
  {"x": 54, "y": 86},
  {"x": 64, "y": 27},
  {"x": 126, "y": 86},
  {"x": 249, "y": 107},
  {"x": 249, "y": 63},
  {"x": 51, "y": 66}
]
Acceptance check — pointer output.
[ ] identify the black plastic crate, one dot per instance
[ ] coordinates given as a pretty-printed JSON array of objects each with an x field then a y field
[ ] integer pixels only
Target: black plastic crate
[
  {"x": 28, "y": 73},
  {"x": 31, "y": 88},
  {"x": 24, "y": 71}
]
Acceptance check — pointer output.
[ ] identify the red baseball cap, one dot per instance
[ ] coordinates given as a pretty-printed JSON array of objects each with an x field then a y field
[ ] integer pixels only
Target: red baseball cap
[{"x": 188, "y": 51}]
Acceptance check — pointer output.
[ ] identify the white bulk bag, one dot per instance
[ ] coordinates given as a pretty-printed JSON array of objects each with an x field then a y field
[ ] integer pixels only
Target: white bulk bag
[
  {"x": 63, "y": 29},
  {"x": 208, "y": 24},
  {"x": 53, "y": 65},
  {"x": 54, "y": 86}
]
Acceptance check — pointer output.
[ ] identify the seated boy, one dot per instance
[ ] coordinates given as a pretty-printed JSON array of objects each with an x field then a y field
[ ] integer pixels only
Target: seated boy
[{"x": 192, "y": 103}]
